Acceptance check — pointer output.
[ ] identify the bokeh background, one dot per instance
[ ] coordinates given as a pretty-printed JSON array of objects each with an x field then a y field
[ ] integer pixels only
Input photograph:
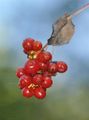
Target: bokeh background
[{"x": 68, "y": 98}]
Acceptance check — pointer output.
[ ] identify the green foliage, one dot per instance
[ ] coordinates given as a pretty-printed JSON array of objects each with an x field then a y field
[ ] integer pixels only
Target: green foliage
[{"x": 68, "y": 104}]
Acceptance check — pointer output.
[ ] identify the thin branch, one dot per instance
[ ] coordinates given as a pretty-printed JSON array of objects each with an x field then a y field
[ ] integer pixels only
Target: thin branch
[
  {"x": 45, "y": 46},
  {"x": 78, "y": 11}
]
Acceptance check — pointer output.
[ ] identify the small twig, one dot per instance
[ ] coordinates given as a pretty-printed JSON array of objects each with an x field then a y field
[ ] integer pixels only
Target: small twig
[
  {"x": 44, "y": 46},
  {"x": 78, "y": 11}
]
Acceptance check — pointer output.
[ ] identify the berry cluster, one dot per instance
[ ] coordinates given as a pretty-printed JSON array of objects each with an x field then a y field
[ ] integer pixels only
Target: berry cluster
[{"x": 36, "y": 75}]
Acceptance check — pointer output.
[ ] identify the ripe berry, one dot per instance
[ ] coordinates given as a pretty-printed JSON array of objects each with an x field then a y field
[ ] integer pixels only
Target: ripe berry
[
  {"x": 40, "y": 57},
  {"x": 28, "y": 44},
  {"x": 46, "y": 73},
  {"x": 47, "y": 82},
  {"x": 40, "y": 93},
  {"x": 27, "y": 93},
  {"x": 61, "y": 67},
  {"x": 37, "y": 79},
  {"x": 43, "y": 66},
  {"x": 44, "y": 57},
  {"x": 31, "y": 67},
  {"x": 37, "y": 45},
  {"x": 24, "y": 81},
  {"x": 20, "y": 72},
  {"x": 47, "y": 56},
  {"x": 32, "y": 89},
  {"x": 52, "y": 68}
]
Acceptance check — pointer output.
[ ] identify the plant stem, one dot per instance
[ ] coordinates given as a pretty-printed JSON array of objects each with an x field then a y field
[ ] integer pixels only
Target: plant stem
[
  {"x": 78, "y": 11},
  {"x": 45, "y": 46}
]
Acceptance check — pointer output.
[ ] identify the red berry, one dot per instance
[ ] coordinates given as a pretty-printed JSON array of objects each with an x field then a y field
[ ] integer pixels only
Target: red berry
[
  {"x": 27, "y": 93},
  {"x": 43, "y": 66},
  {"x": 27, "y": 44},
  {"x": 24, "y": 81},
  {"x": 37, "y": 45},
  {"x": 20, "y": 72},
  {"x": 52, "y": 68},
  {"x": 40, "y": 57},
  {"x": 37, "y": 79},
  {"x": 32, "y": 90},
  {"x": 31, "y": 67},
  {"x": 46, "y": 73},
  {"x": 47, "y": 56},
  {"x": 44, "y": 57},
  {"x": 61, "y": 67},
  {"x": 47, "y": 82},
  {"x": 40, "y": 93}
]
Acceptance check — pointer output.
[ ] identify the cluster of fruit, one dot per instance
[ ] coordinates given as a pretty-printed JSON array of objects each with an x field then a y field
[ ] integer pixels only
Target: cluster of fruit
[{"x": 36, "y": 75}]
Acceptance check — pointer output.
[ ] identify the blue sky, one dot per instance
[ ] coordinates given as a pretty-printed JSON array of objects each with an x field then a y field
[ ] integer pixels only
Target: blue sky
[{"x": 34, "y": 18}]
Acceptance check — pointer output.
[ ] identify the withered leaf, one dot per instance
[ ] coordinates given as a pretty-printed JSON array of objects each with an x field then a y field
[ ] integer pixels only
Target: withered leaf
[{"x": 63, "y": 30}]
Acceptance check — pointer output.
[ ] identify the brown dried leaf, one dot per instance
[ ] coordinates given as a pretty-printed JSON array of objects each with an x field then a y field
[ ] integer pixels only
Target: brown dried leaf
[{"x": 63, "y": 31}]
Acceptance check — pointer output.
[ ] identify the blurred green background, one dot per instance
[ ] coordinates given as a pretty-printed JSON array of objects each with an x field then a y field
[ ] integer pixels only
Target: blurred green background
[{"x": 68, "y": 98}]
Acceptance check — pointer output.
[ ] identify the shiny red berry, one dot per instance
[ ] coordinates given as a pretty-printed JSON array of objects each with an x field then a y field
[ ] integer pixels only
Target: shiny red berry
[
  {"x": 27, "y": 93},
  {"x": 43, "y": 66},
  {"x": 40, "y": 57},
  {"x": 31, "y": 67},
  {"x": 40, "y": 93},
  {"x": 24, "y": 81},
  {"x": 37, "y": 45},
  {"x": 37, "y": 79},
  {"x": 44, "y": 57},
  {"x": 46, "y": 73},
  {"x": 47, "y": 56},
  {"x": 47, "y": 82},
  {"x": 32, "y": 89},
  {"x": 27, "y": 44},
  {"x": 20, "y": 72},
  {"x": 61, "y": 67},
  {"x": 52, "y": 68}
]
